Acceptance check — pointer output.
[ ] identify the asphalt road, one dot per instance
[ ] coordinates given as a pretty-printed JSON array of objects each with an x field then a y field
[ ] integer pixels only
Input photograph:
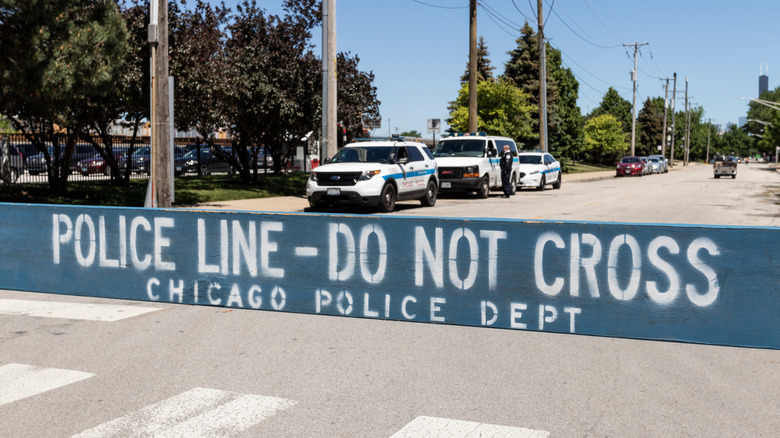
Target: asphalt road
[{"x": 319, "y": 376}]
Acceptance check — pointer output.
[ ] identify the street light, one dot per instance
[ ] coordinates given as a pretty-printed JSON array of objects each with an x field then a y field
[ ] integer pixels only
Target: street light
[
  {"x": 770, "y": 104},
  {"x": 760, "y": 121}
]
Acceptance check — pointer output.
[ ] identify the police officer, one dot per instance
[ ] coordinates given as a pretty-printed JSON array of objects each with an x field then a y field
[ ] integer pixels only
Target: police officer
[{"x": 506, "y": 170}]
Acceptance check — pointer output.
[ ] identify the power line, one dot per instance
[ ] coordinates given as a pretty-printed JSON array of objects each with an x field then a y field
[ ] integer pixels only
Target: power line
[
  {"x": 601, "y": 22},
  {"x": 580, "y": 36},
  {"x": 521, "y": 12},
  {"x": 492, "y": 11},
  {"x": 440, "y": 7},
  {"x": 494, "y": 17}
]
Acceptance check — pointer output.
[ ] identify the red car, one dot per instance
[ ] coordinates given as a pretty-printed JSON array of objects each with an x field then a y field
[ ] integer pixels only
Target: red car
[{"x": 630, "y": 166}]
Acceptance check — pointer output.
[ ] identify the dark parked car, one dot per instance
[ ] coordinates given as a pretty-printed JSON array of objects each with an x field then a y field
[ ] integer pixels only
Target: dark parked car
[
  {"x": 37, "y": 163},
  {"x": 630, "y": 166},
  {"x": 208, "y": 162},
  {"x": 16, "y": 162},
  {"x": 97, "y": 165}
]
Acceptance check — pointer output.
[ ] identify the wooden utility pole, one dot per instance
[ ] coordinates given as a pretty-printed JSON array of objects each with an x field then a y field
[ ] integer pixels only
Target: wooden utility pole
[
  {"x": 543, "y": 142},
  {"x": 472, "y": 65},
  {"x": 633, "y": 108},
  {"x": 666, "y": 110},
  {"x": 687, "y": 127},
  {"x": 709, "y": 128},
  {"x": 160, "y": 181},
  {"x": 329, "y": 84},
  {"x": 674, "y": 99}
]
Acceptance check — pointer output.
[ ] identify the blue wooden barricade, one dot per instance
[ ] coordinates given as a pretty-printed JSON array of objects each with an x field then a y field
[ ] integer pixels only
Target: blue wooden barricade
[{"x": 690, "y": 283}]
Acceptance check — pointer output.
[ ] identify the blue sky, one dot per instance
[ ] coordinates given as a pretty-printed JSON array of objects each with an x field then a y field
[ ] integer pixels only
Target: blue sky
[{"x": 418, "y": 49}]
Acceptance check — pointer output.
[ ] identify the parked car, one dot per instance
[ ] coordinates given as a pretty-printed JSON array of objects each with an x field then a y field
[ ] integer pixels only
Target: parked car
[
  {"x": 655, "y": 165},
  {"x": 470, "y": 163},
  {"x": 139, "y": 161},
  {"x": 663, "y": 163},
  {"x": 37, "y": 164},
  {"x": 630, "y": 166},
  {"x": 375, "y": 174},
  {"x": 647, "y": 168},
  {"x": 208, "y": 162},
  {"x": 15, "y": 162},
  {"x": 537, "y": 169},
  {"x": 97, "y": 165}
]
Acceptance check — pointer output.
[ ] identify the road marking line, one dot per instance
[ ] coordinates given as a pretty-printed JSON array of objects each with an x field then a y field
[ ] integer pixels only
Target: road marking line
[
  {"x": 593, "y": 203},
  {"x": 432, "y": 427},
  {"x": 18, "y": 381},
  {"x": 65, "y": 310},
  {"x": 199, "y": 412}
]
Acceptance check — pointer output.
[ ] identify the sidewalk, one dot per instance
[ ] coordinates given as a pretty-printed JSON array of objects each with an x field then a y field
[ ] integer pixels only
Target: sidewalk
[{"x": 299, "y": 203}]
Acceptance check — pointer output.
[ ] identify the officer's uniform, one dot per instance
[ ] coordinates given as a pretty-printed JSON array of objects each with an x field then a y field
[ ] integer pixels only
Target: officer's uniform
[{"x": 506, "y": 172}]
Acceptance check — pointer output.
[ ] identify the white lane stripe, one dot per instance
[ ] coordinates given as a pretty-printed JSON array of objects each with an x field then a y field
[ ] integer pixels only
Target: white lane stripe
[
  {"x": 433, "y": 427},
  {"x": 18, "y": 381},
  {"x": 64, "y": 310},
  {"x": 306, "y": 251},
  {"x": 199, "y": 412}
]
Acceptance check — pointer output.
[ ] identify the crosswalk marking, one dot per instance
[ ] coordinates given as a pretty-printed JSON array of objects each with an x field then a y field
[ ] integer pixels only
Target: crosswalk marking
[
  {"x": 18, "y": 381},
  {"x": 432, "y": 427},
  {"x": 200, "y": 412},
  {"x": 66, "y": 310}
]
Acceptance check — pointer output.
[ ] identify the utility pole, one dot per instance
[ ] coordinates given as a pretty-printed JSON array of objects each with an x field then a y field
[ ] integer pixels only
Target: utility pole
[
  {"x": 633, "y": 78},
  {"x": 674, "y": 99},
  {"x": 543, "y": 141},
  {"x": 329, "y": 114},
  {"x": 473, "y": 66},
  {"x": 687, "y": 126},
  {"x": 666, "y": 108},
  {"x": 709, "y": 128},
  {"x": 160, "y": 181}
]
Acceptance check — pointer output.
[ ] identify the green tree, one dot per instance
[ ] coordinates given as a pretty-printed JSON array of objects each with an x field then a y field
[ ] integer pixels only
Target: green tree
[
  {"x": 484, "y": 67},
  {"x": 564, "y": 117},
  {"x": 615, "y": 105},
  {"x": 766, "y": 137},
  {"x": 605, "y": 140},
  {"x": 412, "y": 133},
  {"x": 502, "y": 109},
  {"x": 732, "y": 142},
  {"x": 650, "y": 126},
  {"x": 60, "y": 61},
  {"x": 357, "y": 99}
]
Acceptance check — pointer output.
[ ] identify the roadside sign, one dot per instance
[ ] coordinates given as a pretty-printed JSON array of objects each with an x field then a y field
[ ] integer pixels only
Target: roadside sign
[{"x": 434, "y": 126}]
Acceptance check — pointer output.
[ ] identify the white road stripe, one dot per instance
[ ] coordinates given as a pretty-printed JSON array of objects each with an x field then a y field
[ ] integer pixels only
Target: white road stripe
[
  {"x": 18, "y": 381},
  {"x": 200, "y": 412},
  {"x": 432, "y": 427},
  {"x": 306, "y": 251},
  {"x": 83, "y": 311}
]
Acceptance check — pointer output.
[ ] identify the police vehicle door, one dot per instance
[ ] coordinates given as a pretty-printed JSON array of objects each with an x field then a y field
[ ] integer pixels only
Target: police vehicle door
[
  {"x": 549, "y": 165},
  {"x": 493, "y": 160},
  {"x": 405, "y": 178}
]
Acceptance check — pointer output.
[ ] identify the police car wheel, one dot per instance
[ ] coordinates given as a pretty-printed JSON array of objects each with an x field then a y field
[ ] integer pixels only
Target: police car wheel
[
  {"x": 513, "y": 184},
  {"x": 429, "y": 199},
  {"x": 484, "y": 188},
  {"x": 557, "y": 184},
  {"x": 387, "y": 199},
  {"x": 541, "y": 185}
]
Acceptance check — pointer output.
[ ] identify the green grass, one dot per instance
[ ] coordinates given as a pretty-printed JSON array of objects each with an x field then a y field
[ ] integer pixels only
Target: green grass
[
  {"x": 188, "y": 190},
  {"x": 581, "y": 167}
]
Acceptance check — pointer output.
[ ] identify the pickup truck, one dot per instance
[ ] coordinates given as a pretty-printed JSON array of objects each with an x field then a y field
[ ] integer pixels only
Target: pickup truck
[{"x": 723, "y": 166}]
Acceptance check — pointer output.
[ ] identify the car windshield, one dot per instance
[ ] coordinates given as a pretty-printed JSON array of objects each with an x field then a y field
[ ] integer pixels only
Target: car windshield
[
  {"x": 630, "y": 160},
  {"x": 357, "y": 154},
  {"x": 193, "y": 154},
  {"x": 654, "y": 160},
  {"x": 529, "y": 159},
  {"x": 459, "y": 148},
  {"x": 142, "y": 151}
]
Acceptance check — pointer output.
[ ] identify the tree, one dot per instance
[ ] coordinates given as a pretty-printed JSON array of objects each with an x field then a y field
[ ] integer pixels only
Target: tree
[
  {"x": 484, "y": 67},
  {"x": 615, "y": 105},
  {"x": 564, "y": 119},
  {"x": 357, "y": 99},
  {"x": 60, "y": 61},
  {"x": 650, "y": 126},
  {"x": 502, "y": 109},
  {"x": 732, "y": 142},
  {"x": 412, "y": 133},
  {"x": 605, "y": 139},
  {"x": 770, "y": 133}
]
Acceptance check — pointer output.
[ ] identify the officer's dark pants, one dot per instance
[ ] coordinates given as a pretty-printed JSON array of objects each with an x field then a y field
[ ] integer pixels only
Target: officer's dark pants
[{"x": 506, "y": 182}]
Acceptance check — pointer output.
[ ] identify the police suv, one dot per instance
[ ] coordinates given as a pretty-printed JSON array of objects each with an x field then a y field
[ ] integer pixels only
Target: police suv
[
  {"x": 537, "y": 169},
  {"x": 376, "y": 174},
  {"x": 471, "y": 163}
]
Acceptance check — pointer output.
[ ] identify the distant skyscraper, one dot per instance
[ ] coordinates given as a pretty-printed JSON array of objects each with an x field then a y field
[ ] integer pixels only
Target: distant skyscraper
[{"x": 763, "y": 81}]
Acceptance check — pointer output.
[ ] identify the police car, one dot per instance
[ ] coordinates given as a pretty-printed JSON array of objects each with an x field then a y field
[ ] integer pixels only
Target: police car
[
  {"x": 471, "y": 163},
  {"x": 537, "y": 169},
  {"x": 375, "y": 174}
]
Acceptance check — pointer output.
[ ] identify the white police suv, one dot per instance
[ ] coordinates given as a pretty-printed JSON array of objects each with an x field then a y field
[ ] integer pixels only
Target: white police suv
[
  {"x": 471, "y": 163},
  {"x": 375, "y": 174},
  {"x": 537, "y": 169}
]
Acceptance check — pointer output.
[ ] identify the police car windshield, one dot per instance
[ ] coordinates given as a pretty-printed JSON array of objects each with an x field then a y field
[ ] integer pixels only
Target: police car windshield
[
  {"x": 459, "y": 148},
  {"x": 529, "y": 159},
  {"x": 357, "y": 154}
]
